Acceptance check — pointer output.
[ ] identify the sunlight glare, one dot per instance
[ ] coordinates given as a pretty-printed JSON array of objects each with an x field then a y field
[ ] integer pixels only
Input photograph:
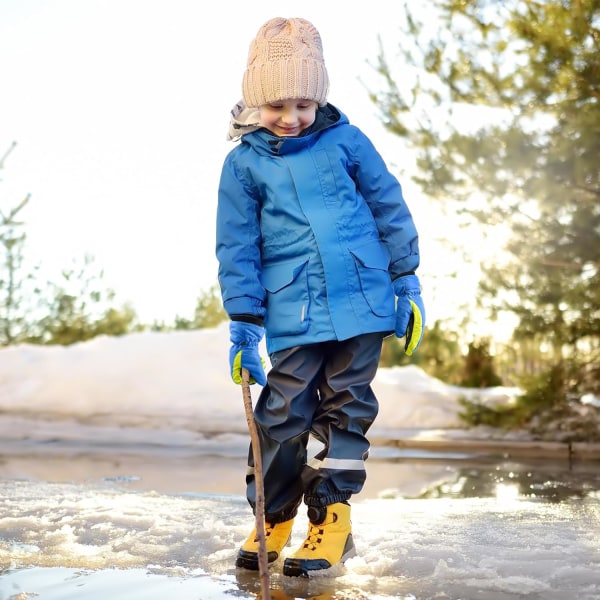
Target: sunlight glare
[{"x": 507, "y": 492}]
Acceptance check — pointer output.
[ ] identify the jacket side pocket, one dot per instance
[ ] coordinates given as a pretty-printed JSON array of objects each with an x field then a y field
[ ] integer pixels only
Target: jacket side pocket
[
  {"x": 372, "y": 262},
  {"x": 288, "y": 300}
]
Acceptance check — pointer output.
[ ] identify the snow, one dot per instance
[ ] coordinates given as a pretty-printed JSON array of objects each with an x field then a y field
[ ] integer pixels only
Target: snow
[
  {"x": 121, "y": 476},
  {"x": 78, "y": 538},
  {"x": 163, "y": 380}
]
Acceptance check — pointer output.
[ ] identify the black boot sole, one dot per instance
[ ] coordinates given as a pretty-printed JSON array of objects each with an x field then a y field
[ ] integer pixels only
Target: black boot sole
[
  {"x": 249, "y": 560},
  {"x": 302, "y": 567}
]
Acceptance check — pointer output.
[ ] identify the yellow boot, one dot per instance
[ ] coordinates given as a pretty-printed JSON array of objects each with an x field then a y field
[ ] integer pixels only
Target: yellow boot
[
  {"x": 328, "y": 542},
  {"x": 276, "y": 536}
]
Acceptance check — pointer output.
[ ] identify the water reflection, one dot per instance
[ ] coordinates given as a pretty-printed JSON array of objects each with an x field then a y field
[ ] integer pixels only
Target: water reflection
[
  {"x": 523, "y": 480},
  {"x": 534, "y": 479}
]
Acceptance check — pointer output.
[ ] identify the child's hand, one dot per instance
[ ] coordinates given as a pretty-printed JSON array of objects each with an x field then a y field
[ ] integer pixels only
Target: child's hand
[
  {"x": 243, "y": 354},
  {"x": 410, "y": 312}
]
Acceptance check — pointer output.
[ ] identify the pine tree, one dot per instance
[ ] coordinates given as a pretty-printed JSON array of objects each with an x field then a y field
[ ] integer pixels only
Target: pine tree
[
  {"x": 14, "y": 281},
  {"x": 209, "y": 311},
  {"x": 530, "y": 167},
  {"x": 79, "y": 307}
]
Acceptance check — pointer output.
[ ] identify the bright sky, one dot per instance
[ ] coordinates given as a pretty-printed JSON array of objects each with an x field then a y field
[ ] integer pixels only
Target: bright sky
[{"x": 119, "y": 110}]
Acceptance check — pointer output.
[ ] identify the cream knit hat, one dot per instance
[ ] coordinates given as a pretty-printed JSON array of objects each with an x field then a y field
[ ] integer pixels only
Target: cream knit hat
[{"x": 285, "y": 61}]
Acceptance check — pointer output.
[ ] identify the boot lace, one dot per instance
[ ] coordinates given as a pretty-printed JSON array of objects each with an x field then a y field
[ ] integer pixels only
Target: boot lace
[
  {"x": 315, "y": 534},
  {"x": 314, "y": 537},
  {"x": 268, "y": 531}
]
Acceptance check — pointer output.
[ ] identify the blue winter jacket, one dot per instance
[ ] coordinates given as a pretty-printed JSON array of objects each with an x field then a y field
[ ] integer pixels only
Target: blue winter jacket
[{"x": 311, "y": 231}]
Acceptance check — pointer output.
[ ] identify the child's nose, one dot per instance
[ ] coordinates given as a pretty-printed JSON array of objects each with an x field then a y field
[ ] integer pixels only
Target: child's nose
[{"x": 289, "y": 116}]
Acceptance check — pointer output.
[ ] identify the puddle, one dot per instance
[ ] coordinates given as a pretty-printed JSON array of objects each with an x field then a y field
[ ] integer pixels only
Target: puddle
[{"x": 464, "y": 476}]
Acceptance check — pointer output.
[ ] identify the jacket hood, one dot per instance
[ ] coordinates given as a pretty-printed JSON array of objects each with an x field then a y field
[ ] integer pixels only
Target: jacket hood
[{"x": 243, "y": 120}]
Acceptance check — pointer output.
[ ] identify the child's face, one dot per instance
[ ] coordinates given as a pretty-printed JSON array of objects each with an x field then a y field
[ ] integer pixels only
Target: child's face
[{"x": 287, "y": 118}]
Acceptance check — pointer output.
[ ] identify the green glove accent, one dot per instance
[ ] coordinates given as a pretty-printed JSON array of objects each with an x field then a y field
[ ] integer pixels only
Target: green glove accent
[
  {"x": 236, "y": 369},
  {"x": 410, "y": 312},
  {"x": 414, "y": 332}
]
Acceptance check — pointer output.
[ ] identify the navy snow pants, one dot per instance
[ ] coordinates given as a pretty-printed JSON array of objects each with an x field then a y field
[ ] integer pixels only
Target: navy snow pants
[{"x": 320, "y": 389}]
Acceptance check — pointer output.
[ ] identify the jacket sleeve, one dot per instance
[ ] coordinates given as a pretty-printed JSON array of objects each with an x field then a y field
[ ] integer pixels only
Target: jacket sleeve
[
  {"x": 383, "y": 194},
  {"x": 238, "y": 243}
]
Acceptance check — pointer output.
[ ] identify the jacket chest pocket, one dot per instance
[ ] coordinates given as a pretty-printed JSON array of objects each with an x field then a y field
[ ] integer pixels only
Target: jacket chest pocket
[
  {"x": 325, "y": 171},
  {"x": 288, "y": 299}
]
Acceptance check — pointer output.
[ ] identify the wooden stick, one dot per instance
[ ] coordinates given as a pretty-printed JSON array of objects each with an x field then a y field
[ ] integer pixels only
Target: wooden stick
[{"x": 259, "y": 506}]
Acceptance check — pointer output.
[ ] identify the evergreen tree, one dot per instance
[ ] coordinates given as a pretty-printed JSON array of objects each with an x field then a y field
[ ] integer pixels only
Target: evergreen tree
[
  {"x": 209, "y": 311},
  {"x": 478, "y": 370},
  {"x": 75, "y": 309},
  {"x": 79, "y": 308},
  {"x": 531, "y": 167},
  {"x": 16, "y": 287}
]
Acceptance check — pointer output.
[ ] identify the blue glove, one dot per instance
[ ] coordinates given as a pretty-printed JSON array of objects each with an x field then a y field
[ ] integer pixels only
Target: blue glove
[
  {"x": 410, "y": 312},
  {"x": 243, "y": 354}
]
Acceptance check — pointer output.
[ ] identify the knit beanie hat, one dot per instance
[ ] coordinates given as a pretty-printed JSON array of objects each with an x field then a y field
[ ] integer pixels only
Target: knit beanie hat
[{"x": 285, "y": 61}]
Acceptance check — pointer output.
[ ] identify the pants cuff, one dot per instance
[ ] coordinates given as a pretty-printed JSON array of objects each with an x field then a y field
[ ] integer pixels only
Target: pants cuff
[{"x": 327, "y": 500}]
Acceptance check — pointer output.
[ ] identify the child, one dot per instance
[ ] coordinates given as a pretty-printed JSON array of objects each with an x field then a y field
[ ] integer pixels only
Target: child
[{"x": 317, "y": 248}]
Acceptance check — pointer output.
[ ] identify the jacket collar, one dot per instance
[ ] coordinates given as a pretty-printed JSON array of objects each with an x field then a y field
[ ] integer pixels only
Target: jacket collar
[{"x": 264, "y": 142}]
